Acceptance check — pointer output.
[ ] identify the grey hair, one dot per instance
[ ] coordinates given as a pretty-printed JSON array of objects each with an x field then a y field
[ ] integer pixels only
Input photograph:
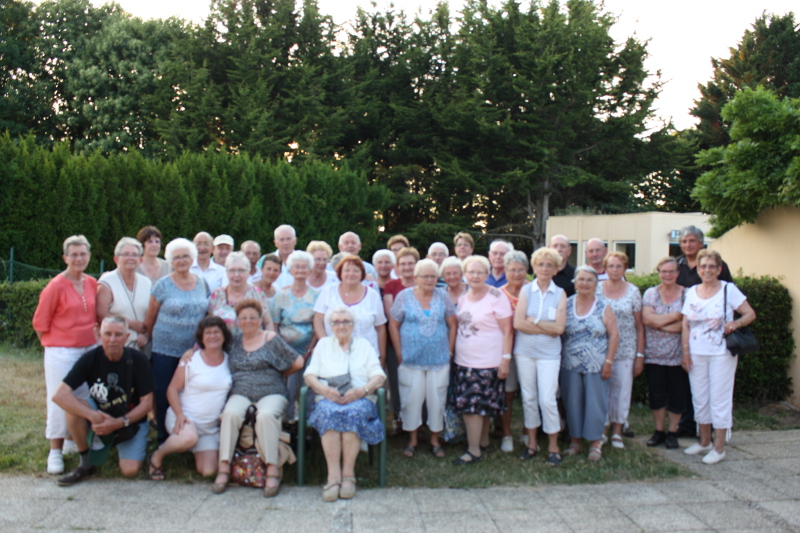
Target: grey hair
[
  {"x": 76, "y": 240},
  {"x": 501, "y": 241},
  {"x": 237, "y": 257},
  {"x": 425, "y": 263},
  {"x": 300, "y": 255},
  {"x": 127, "y": 241},
  {"x": 387, "y": 253},
  {"x": 585, "y": 268},
  {"x": 248, "y": 243},
  {"x": 448, "y": 262},
  {"x": 178, "y": 244},
  {"x": 515, "y": 256},
  {"x": 693, "y": 230},
  {"x": 435, "y": 245},
  {"x": 339, "y": 311},
  {"x": 283, "y": 227},
  {"x": 114, "y": 319},
  {"x": 349, "y": 233}
]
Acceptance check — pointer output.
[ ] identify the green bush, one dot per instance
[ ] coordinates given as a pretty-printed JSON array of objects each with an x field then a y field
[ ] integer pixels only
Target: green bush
[
  {"x": 17, "y": 305},
  {"x": 761, "y": 376}
]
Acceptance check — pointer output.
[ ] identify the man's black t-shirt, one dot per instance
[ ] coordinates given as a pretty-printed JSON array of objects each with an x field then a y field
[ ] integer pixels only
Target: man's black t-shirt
[
  {"x": 688, "y": 277},
  {"x": 564, "y": 279},
  {"x": 117, "y": 386}
]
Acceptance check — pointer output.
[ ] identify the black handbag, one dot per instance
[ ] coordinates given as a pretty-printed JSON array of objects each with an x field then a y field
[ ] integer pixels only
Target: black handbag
[{"x": 742, "y": 340}]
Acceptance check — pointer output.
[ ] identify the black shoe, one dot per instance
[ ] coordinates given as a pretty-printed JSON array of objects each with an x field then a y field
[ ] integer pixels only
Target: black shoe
[
  {"x": 658, "y": 438},
  {"x": 628, "y": 433},
  {"x": 77, "y": 475},
  {"x": 672, "y": 441}
]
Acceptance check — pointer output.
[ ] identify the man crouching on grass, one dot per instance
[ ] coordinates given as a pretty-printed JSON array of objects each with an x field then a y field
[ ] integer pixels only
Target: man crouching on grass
[{"x": 121, "y": 384}]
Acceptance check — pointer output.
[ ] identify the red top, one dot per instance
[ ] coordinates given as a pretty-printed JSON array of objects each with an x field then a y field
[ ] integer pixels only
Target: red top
[
  {"x": 394, "y": 287},
  {"x": 64, "y": 317}
]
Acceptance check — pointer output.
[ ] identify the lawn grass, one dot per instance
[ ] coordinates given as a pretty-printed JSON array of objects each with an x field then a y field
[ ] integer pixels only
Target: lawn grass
[{"x": 23, "y": 449}]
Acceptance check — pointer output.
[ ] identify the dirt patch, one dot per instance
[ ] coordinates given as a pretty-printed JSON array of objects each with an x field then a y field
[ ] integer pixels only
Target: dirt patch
[{"x": 784, "y": 413}]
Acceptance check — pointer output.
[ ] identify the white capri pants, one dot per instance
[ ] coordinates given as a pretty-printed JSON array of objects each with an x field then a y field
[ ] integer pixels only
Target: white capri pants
[
  {"x": 58, "y": 361},
  {"x": 207, "y": 434},
  {"x": 419, "y": 386},
  {"x": 620, "y": 387},
  {"x": 711, "y": 379},
  {"x": 268, "y": 425},
  {"x": 538, "y": 380}
]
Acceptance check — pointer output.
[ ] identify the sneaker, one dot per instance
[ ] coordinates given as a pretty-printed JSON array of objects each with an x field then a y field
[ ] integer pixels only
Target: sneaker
[
  {"x": 696, "y": 448},
  {"x": 713, "y": 457},
  {"x": 672, "y": 441},
  {"x": 508, "y": 444},
  {"x": 79, "y": 474},
  {"x": 55, "y": 463},
  {"x": 69, "y": 447}
]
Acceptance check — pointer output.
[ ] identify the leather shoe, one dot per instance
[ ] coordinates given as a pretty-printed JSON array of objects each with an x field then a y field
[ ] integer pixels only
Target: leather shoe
[
  {"x": 79, "y": 474},
  {"x": 658, "y": 438},
  {"x": 672, "y": 441}
]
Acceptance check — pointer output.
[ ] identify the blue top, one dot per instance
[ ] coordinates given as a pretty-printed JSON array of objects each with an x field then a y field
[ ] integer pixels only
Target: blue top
[
  {"x": 496, "y": 282},
  {"x": 295, "y": 317},
  {"x": 423, "y": 337},
  {"x": 584, "y": 345},
  {"x": 178, "y": 316}
]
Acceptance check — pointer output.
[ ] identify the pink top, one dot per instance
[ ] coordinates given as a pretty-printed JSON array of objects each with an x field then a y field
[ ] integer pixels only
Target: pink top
[
  {"x": 479, "y": 343},
  {"x": 66, "y": 318}
]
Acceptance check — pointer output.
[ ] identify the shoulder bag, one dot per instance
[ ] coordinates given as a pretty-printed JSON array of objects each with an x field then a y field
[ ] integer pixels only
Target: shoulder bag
[{"x": 742, "y": 340}]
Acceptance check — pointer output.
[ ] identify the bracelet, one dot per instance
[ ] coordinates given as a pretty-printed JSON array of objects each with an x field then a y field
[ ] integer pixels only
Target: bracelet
[
  {"x": 639, "y": 355},
  {"x": 610, "y": 361},
  {"x": 507, "y": 356},
  {"x": 366, "y": 390}
]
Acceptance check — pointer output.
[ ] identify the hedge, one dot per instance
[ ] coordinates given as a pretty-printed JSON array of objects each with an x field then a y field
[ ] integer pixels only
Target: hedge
[{"x": 17, "y": 304}]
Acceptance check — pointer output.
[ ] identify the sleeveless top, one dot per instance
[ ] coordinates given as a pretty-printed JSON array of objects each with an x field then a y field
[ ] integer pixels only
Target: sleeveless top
[
  {"x": 584, "y": 344},
  {"x": 129, "y": 304},
  {"x": 543, "y": 306},
  {"x": 206, "y": 390}
]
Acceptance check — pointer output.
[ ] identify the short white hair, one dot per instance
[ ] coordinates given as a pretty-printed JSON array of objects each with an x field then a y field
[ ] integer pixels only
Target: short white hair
[
  {"x": 179, "y": 244},
  {"x": 127, "y": 241},
  {"x": 114, "y": 319},
  {"x": 237, "y": 257},
  {"x": 248, "y": 243},
  {"x": 436, "y": 245},
  {"x": 300, "y": 255},
  {"x": 426, "y": 263},
  {"x": 76, "y": 240},
  {"x": 516, "y": 256},
  {"x": 476, "y": 258},
  {"x": 504, "y": 243},
  {"x": 387, "y": 253},
  {"x": 284, "y": 227},
  {"x": 448, "y": 262},
  {"x": 350, "y": 233},
  {"x": 339, "y": 311}
]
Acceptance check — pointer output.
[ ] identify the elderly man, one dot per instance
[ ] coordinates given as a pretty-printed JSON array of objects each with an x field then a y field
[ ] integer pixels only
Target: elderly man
[
  {"x": 596, "y": 251},
  {"x": 223, "y": 246},
  {"x": 213, "y": 273},
  {"x": 350, "y": 243},
  {"x": 285, "y": 241},
  {"x": 497, "y": 253},
  {"x": 438, "y": 252},
  {"x": 691, "y": 243},
  {"x": 564, "y": 276},
  {"x": 252, "y": 250},
  {"x": 121, "y": 388}
]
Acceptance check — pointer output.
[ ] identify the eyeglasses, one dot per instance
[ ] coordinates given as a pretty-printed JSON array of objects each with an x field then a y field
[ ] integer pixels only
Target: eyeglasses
[
  {"x": 129, "y": 255},
  {"x": 428, "y": 278},
  {"x": 237, "y": 271},
  {"x": 341, "y": 323}
]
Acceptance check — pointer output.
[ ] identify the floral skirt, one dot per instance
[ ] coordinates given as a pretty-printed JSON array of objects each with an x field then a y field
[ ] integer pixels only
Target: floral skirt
[
  {"x": 360, "y": 417},
  {"x": 478, "y": 391}
]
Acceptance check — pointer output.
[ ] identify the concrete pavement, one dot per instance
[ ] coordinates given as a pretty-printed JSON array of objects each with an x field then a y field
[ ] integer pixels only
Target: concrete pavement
[{"x": 757, "y": 488}]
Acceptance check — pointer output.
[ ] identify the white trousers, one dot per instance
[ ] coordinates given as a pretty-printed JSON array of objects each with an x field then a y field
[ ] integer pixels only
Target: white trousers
[
  {"x": 422, "y": 386},
  {"x": 620, "y": 387},
  {"x": 711, "y": 379},
  {"x": 58, "y": 361},
  {"x": 538, "y": 380}
]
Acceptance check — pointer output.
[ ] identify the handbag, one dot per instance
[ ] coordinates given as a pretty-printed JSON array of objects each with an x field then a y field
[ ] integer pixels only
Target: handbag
[
  {"x": 742, "y": 340},
  {"x": 247, "y": 468}
]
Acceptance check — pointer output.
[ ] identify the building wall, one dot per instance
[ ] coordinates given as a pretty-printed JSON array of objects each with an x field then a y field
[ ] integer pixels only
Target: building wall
[
  {"x": 649, "y": 231},
  {"x": 769, "y": 248}
]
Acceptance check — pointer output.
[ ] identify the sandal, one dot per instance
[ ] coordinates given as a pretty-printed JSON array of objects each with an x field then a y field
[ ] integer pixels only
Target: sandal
[
  {"x": 270, "y": 492},
  {"x": 574, "y": 449},
  {"x": 330, "y": 492},
  {"x": 155, "y": 473},
  {"x": 529, "y": 453},
  {"x": 438, "y": 452},
  {"x": 219, "y": 488},
  {"x": 347, "y": 491},
  {"x": 472, "y": 459},
  {"x": 408, "y": 451},
  {"x": 616, "y": 442},
  {"x": 554, "y": 459},
  {"x": 595, "y": 453}
]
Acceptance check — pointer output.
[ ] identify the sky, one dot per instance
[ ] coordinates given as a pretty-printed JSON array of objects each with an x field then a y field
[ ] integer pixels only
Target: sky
[{"x": 683, "y": 34}]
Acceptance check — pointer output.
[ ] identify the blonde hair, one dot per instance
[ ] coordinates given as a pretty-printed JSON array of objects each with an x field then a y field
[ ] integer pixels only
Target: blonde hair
[{"x": 619, "y": 255}]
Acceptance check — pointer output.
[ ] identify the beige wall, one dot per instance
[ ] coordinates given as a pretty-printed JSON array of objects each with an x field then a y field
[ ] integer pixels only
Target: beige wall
[
  {"x": 770, "y": 247},
  {"x": 650, "y": 231}
]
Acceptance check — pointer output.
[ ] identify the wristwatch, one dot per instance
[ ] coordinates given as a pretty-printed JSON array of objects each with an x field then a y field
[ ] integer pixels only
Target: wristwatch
[
  {"x": 639, "y": 355},
  {"x": 125, "y": 422}
]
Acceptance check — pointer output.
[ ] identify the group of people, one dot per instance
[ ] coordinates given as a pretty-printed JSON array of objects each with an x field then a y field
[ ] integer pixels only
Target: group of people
[{"x": 203, "y": 335}]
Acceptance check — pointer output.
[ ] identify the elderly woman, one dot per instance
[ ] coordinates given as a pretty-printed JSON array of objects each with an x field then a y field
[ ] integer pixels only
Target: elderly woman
[
  {"x": 626, "y": 302},
  {"x": 437, "y": 252},
  {"x": 294, "y": 315},
  {"x": 667, "y": 381},
  {"x": 383, "y": 261},
  {"x": 588, "y": 347},
  {"x": 516, "y": 265},
  {"x": 320, "y": 275},
  {"x": 453, "y": 277},
  {"x": 707, "y": 319},
  {"x": 124, "y": 292},
  {"x": 177, "y": 304},
  {"x": 423, "y": 330},
  {"x": 64, "y": 322},
  {"x": 223, "y": 300},
  {"x": 539, "y": 320},
  {"x": 259, "y": 361},
  {"x": 196, "y": 395},
  {"x": 270, "y": 271},
  {"x": 365, "y": 304},
  {"x": 344, "y": 372},
  {"x": 152, "y": 266},
  {"x": 397, "y": 243},
  {"x": 483, "y": 354},
  {"x": 464, "y": 245}
]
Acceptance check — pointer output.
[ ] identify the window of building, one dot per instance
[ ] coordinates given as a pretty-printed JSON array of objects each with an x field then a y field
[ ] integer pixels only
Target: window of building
[{"x": 629, "y": 249}]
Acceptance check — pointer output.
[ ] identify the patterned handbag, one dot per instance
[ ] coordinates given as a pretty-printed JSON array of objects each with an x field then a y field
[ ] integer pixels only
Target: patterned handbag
[{"x": 247, "y": 468}]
